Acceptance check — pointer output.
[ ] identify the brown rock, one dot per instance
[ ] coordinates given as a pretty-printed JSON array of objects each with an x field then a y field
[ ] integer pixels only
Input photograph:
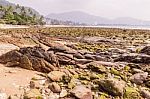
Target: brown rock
[
  {"x": 145, "y": 94},
  {"x": 56, "y": 75},
  {"x": 82, "y": 92},
  {"x": 78, "y": 55},
  {"x": 54, "y": 87},
  {"x": 32, "y": 94}
]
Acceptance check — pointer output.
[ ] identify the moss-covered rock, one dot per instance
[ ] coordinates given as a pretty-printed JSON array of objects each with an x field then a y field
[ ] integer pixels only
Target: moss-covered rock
[
  {"x": 112, "y": 86},
  {"x": 131, "y": 93}
]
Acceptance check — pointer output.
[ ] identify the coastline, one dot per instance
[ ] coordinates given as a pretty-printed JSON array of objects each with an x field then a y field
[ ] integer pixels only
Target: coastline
[{"x": 5, "y": 26}]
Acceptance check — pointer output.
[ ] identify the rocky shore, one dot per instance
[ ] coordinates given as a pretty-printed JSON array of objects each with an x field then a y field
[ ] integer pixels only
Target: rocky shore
[{"x": 101, "y": 66}]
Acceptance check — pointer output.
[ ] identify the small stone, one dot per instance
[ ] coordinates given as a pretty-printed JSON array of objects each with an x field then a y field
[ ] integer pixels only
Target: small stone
[
  {"x": 32, "y": 84},
  {"x": 63, "y": 93},
  {"x": 33, "y": 93},
  {"x": 82, "y": 92},
  {"x": 139, "y": 77},
  {"x": 54, "y": 87},
  {"x": 56, "y": 75}
]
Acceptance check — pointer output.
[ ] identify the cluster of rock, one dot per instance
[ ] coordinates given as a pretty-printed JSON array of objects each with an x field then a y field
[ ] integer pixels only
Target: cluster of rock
[{"x": 72, "y": 74}]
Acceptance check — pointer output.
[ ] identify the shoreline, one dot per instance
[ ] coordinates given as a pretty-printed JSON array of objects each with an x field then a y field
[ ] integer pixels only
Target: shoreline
[{"x": 5, "y": 26}]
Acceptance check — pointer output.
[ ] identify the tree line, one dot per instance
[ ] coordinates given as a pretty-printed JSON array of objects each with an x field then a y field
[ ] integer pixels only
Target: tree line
[{"x": 19, "y": 15}]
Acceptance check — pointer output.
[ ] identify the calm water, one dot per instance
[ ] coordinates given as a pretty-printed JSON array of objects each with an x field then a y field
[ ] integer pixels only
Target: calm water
[{"x": 122, "y": 27}]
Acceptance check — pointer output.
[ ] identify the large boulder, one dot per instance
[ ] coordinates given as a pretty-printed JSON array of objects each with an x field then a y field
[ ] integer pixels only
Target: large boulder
[{"x": 31, "y": 58}]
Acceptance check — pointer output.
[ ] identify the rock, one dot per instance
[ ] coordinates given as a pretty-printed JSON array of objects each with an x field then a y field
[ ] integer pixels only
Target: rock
[
  {"x": 116, "y": 50},
  {"x": 10, "y": 57},
  {"x": 78, "y": 56},
  {"x": 96, "y": 67},
  {"x": 146, "y": 50},
  {"x": 131, "y": 93},
  {"x": 145, "y": 94},
  {"x": 35, "y": 84},
  {"x": 82, "y": 61},
  {"x": 54, "y": 87},
  {"x": 112, "y": 86},
  {"x": 33, "y": 93},
  {"x": 82, "y": 92},
  {"x": 60, "y": 48},
  {"x": 135, "y": 70},
  {"x": 81, "y": 66},
  {"x": 134, "y": 58},
  {"x": 5, "y": 47},
  {"x": 99, "y": 58},
  {"x": 31, "y": 58},
  {"x": 3, "y": 96},
  {"x": 89, "y": 56},
  {"x": 70, "y": 56},
  {"x": 56, "y": 75},
  {"x": 53, "y": 96},
  {"x": 63, "y": 93},
  {"x": 138, "y": 78},
  {"x": 65, "y": 59}
]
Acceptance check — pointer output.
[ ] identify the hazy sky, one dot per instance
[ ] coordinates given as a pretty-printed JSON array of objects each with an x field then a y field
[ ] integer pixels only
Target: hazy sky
[{"x": 106, "y": 8}]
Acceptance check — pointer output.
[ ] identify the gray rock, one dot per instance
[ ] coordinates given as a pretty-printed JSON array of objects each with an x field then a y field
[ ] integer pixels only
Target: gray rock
[{"x": 139, "y": 77}]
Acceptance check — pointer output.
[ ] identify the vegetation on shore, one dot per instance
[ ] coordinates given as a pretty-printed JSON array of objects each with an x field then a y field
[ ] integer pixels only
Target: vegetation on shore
[{"x": 19, "y": 15}]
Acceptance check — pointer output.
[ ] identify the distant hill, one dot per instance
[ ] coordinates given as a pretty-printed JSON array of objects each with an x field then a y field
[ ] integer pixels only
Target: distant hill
[
  {"x": 16, "y": 14},
  {"x": 82, "y": 17}
]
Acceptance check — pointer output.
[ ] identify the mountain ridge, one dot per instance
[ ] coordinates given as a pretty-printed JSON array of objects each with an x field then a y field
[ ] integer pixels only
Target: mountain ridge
[{"x": 83, "y": 17}]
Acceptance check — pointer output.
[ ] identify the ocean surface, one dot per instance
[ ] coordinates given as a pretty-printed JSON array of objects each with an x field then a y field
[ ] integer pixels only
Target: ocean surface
[
  {"x": 122, "y": 27},
  {"x": 109, "y": 26}
]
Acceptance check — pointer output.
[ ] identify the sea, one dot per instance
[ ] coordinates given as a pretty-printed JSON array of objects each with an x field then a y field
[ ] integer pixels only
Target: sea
[{"x": 145, "y": 27}]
